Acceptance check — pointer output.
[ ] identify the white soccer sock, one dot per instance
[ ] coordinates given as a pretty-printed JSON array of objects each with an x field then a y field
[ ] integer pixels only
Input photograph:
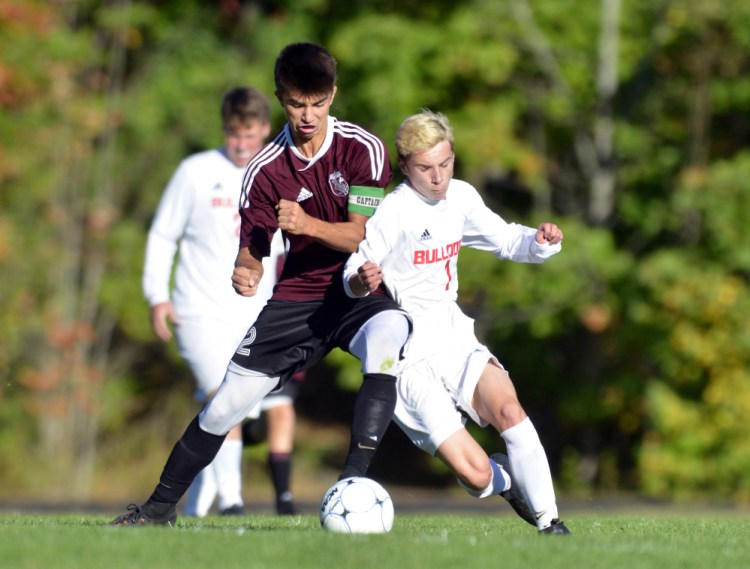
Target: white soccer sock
[
  {"x": 500, "y": 479},
  {"x": 227, "y": 467},
  {"x": 201, "y": 494},
  {"x": 528, "y": 463}
]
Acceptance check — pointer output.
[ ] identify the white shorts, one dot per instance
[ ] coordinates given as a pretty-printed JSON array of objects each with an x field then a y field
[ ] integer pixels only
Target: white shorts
[
  {"x": 433, "y": 393},
  {"x": 207, "y": 345}
]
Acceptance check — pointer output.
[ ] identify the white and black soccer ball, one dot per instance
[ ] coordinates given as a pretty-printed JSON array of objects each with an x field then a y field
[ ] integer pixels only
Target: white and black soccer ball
[{"x": 356, "y": 505}]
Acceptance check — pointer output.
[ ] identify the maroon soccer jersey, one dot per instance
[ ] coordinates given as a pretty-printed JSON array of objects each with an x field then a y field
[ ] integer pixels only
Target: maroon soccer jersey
[{"x": 349, "y": 156}]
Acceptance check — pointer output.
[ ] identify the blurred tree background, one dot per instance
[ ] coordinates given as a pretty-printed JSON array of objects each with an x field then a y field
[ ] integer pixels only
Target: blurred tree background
[{"x": 624, "y": 122}]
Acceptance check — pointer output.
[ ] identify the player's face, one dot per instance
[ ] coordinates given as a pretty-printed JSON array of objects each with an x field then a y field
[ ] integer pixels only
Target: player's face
[
  {"x": 307, "y": 115},
  {"x": 243, "y": 141},
  {"x": 430, "y": 171}
]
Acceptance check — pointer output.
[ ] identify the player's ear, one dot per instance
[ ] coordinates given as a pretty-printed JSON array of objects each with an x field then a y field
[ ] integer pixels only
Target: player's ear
[
  {"x": 333, "y": 93},
  {"x": 402, "y": 165}
]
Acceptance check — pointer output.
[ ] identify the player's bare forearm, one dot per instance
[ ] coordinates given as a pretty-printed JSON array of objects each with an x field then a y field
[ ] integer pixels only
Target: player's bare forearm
[
  {"x": 248, "y": 270},
  {"x": 343, "y": 236}
]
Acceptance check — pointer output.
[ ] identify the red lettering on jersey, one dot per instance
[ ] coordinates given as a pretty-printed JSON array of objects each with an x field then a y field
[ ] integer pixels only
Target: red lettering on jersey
[
  {"x": 426, "y": 257},
  {"x": 223, "y": 202}
]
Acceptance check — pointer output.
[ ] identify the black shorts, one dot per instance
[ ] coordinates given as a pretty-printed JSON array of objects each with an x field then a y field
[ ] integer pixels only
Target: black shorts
[{"x": 291, "y": 336}]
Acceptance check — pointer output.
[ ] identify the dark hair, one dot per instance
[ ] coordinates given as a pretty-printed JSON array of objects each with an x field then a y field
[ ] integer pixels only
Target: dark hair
[
  {"x": 306, "y": 68},
  {"x": 244, "y": 105}
]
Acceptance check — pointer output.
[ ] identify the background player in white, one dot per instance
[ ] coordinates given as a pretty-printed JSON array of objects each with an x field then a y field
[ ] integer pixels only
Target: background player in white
[
  {"x": 411, "y": 246},
  {"x": 198, "y": 215}
]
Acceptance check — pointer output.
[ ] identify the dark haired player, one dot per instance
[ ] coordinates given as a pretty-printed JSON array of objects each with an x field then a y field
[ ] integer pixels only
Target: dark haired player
[{"x": 318, "y": 181}]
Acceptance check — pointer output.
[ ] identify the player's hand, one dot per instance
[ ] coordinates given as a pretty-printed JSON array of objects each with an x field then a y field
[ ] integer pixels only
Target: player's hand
[
  {"x": 162, "y": 314},
  {"x": 369, "y": 276},
  {"x": 549, "y": 233},
  {"x": 292, "y": 218},
  {"x": 245, "y": 281}
]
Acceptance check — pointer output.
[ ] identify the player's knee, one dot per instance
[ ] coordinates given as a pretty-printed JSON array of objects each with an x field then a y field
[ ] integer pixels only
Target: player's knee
[
  {"x": 510, "y": 414},
  {"x": 281, "y": 414},
  {"x": 475, "y": 479},
  {"x": 213, "y": 419},
  {"x": 238, "y": 394},
  {"x": 380, "y": 341},
  {"x": 390, "y": 327}
]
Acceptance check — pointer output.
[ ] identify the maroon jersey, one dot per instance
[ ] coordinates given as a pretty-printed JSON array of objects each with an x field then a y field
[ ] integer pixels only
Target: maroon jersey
[{"x": 349, "y": 156}]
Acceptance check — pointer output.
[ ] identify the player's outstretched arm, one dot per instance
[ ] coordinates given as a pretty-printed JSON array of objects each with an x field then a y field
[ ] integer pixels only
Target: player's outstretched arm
[
  {"x": 248, "y": 270},
  {"x": 344, "y": 236}
]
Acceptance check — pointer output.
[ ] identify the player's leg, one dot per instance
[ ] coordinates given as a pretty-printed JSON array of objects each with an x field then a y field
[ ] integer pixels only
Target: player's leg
[
  {"x": 227, "y": 467},
  {"x": 240, "y": 391},
  {"x": 198, "y": 341},
  {"x": 271, "y": 343},
  {"x": 480, "y": 476},
  {"x": 495, "y": 401},
  {"x": 281, "y": 421},
  {"x": 378, "y": 344},
  {"x": 222, "y": 478},
  {"x": 427, "y": 414},
  {"x": 207, "y": 344},
  {"x": 201, "y": 494}
]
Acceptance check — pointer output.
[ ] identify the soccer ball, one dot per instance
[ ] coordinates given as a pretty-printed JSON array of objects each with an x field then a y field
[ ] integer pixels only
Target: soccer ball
[{"x": 356, "y": 505}]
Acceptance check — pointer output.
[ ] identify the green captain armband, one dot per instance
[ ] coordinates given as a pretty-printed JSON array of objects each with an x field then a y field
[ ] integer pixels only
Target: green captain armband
[{"x": 364, "y": 200}]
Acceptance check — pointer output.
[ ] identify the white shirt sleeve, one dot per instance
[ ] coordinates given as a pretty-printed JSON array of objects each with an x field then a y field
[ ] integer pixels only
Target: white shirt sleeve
[
  {"x": 487, "y": 231},
  {"x": 381, "y": 231},
  {"x": 167, "y": 228}
]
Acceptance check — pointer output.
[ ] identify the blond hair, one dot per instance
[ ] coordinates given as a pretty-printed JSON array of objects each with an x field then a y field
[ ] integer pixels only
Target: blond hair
[{"x": 422, "y": 131}]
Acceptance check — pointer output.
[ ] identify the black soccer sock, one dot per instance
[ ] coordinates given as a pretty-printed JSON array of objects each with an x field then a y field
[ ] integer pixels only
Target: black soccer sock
[
  {"x": 373, "y": 411},
  {"x": 192, "y": 453},
  {"x": 280, "y": 468}
]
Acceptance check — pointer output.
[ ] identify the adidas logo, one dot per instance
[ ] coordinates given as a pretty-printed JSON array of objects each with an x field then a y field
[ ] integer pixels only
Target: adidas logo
[
  {"x": 304, "y": 194},
  {"x": 425, "y": 236},
  {"x": 217, "y": 186}
]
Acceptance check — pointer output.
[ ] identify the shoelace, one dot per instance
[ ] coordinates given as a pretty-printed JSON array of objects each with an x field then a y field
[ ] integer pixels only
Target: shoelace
[{"x": 132, "y": 515}]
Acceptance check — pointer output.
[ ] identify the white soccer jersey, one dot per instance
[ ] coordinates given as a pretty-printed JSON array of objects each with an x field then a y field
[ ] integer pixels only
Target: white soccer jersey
[
  {"x": 416, "y": 241},
  {"x": 199, "y": 214}
]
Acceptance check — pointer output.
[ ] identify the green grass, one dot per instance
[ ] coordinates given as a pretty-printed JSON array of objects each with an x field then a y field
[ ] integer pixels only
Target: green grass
[{"x": 421, "y": 541}]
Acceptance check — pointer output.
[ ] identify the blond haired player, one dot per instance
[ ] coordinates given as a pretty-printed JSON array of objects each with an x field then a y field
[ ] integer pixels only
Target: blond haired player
[{"x": 411, "y": 246}]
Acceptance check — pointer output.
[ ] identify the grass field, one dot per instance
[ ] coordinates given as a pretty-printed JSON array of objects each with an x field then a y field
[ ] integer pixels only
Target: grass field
[{"x": 79, "y": 541}]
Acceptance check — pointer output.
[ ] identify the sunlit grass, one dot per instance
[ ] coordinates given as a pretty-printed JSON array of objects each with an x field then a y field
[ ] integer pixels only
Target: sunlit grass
[{"x": 432, "y": 541}]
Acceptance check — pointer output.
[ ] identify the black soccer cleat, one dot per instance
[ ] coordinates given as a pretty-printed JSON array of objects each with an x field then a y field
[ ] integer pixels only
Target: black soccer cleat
[
  {"x": 513, "y": 494},
  {"x": 236, "y": 510},
  {"x": 555, "y": 528},
  {"x": 285, "y": 508},
  {"x": 147, "y": 514}
]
